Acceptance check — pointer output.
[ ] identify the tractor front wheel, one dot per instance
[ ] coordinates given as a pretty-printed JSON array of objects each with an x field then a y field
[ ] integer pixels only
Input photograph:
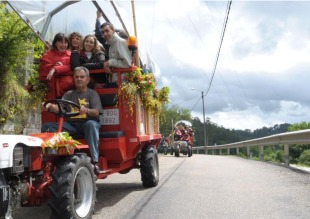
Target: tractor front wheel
[
  {"x": 73, "y": 189},
  {"x": 149, "y": 166}
]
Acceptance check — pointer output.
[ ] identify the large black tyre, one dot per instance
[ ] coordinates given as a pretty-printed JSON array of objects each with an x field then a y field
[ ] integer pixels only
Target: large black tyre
[
  {"x": 73, "y": 189},
  {"x": 177, "y": 152},
  {"x": 149, "y": 166},
  {"x": 189, "y": 151},
  {"x": 165, "y": 151}
]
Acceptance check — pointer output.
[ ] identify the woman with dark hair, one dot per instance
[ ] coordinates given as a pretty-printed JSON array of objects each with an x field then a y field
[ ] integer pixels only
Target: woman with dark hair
[
  {"x": 90, "y": 56},
  {"x": 75, "y": 41},
  {"x": 57, "y": 61}
]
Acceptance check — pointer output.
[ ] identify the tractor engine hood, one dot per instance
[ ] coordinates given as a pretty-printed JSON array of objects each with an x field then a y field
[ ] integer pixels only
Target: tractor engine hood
[{"x": 8, "y": 143}]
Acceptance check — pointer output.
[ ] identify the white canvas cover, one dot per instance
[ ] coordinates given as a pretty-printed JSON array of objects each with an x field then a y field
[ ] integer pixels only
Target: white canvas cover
[{"x": 70, "y": 16}]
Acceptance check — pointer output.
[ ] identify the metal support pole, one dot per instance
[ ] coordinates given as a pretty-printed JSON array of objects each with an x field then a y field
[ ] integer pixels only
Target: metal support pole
[
  {"x": 204, "y": 122},
  {"x": 286, "y": 155},
  {"x": 237, "y": 151},
  {"x": 262, "y": 153}
]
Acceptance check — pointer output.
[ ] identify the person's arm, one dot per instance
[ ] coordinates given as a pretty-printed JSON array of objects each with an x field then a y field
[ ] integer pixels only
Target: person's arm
[
  {"x": 50, "y": 107},
  {"x": 124, "y": 60},
  {"x": 93, "y": 66},
  {"x": 63, "y": 65},
  {"x": 45, "y": 64},
  {"x": 74, "y": 60},
  {"x": 95, "y": 106},
  {"x": 90, "y": 112},
  {"x": 98, "y": 33},
  {"x": 97, "y": 62}
]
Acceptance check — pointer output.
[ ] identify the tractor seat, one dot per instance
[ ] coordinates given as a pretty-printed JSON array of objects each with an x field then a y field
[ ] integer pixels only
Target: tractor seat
[{"x": 111, "y": 134}]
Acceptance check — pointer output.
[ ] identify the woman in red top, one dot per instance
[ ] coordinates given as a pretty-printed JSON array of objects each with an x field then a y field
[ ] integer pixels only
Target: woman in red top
[{"x": 57, "y": 61}]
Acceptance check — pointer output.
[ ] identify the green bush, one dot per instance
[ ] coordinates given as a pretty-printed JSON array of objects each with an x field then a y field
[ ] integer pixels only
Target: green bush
[
  {"x": 17, "y": 43},
  {"x": 280, "y": 156},
  {"x": 242, "y": 155},
  {"x": 269, "y": 154},
  {"x": 305, "y": 157}
]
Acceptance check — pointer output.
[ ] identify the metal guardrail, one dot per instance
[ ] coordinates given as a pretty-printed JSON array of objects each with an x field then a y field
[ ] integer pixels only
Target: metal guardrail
[{"x": 288, "y": 138}]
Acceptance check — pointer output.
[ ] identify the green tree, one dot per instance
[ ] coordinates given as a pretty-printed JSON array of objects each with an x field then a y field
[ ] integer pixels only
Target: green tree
[
  {"x": 305, "y": 157},
  {"x": 297, "y": 149},
  {"x": 17, "y": 43}
]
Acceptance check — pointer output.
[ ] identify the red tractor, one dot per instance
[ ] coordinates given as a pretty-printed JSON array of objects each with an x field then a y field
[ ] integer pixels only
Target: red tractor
[{"x": 30, "y": 176}]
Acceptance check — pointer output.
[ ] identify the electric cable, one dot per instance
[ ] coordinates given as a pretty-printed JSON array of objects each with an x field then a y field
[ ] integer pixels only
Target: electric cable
[{"x": 220, "y": 46}]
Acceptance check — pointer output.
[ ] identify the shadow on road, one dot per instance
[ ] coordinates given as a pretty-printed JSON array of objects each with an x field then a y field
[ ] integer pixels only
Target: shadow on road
[{"x": 109, "y": 194}]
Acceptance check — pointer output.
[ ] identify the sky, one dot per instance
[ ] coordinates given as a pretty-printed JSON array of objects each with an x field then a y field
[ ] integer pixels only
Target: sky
[
  {"x": 262, "y": 73},
  {"x": 262, "y": 76}
]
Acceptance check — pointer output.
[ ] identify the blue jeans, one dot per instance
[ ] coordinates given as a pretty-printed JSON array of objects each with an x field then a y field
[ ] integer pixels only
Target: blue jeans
[{"x": 90, "y": 129}]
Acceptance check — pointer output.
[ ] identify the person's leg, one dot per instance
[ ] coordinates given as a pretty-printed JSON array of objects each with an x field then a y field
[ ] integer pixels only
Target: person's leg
[
  {"x": 69, "y": 128},
  {"x": 91, "y": 131},
  {"x": 49, "y": 127},
  {"x": 52, "y": 127}
]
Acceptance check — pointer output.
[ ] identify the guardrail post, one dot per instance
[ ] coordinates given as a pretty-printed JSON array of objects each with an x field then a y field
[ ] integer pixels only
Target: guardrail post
[
  {"x": 206, "y": 151},
  {"x": 286, "y": 155},
  {"x": 213, "y": 151},
  {"x": 237, "y": 151},
  {"x": 197, "y": 151},
  {"x": 248, "y": 152},
  {"x": 220, "y": 151},
  {"x": 262, "y": 153},
  {"x": 228, "y": 151}
]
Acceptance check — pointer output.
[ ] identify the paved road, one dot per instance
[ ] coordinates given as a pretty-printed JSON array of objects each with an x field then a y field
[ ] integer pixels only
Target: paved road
[{"x": 202, "y": 187}]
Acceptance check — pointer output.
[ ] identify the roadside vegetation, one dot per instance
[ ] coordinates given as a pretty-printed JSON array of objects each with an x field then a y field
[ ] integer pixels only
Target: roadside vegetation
[{"x": 18, "y": 48}]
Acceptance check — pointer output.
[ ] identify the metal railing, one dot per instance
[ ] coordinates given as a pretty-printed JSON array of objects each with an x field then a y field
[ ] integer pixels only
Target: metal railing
[{"x": 287, "y": 139}]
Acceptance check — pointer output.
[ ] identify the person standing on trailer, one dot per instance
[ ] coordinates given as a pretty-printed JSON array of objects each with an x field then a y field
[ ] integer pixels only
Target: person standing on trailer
[{"x": 119, "y": 54}]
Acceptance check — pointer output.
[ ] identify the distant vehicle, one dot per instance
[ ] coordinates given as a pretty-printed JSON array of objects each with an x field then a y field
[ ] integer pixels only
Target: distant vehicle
[{"x": 182, "y": 147}]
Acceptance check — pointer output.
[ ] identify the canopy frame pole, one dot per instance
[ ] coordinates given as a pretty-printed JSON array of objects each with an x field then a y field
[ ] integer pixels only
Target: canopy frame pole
[{"x": 136, "y": 34}]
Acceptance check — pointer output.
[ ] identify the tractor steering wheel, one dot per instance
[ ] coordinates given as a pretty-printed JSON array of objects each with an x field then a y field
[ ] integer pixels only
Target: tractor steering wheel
[{"x": 62, "y": 112}]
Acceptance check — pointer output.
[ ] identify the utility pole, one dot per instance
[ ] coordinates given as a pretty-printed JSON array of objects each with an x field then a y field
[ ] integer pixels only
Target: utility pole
[
  {"x": 204, "y": 119},
  {"x": 204, "y": 122}
]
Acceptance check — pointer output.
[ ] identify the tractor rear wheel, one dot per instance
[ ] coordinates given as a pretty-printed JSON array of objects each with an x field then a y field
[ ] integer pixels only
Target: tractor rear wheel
[
  {"x": 149, "y": 166},
  {"x": 73, "y": 189}
]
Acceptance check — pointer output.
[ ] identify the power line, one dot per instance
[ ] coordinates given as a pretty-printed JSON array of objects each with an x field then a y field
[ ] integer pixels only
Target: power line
[
  {"x": 195, "y": 104},
  {"x": 220, "y": 46}
]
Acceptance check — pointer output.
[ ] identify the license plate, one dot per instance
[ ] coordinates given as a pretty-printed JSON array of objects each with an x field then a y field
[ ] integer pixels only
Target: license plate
[{"x": 109, "y": 117}]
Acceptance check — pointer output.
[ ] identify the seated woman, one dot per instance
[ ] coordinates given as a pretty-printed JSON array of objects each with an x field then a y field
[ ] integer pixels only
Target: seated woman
[
  {"x": 75, "y": 41},
  {"x": 90, "y": 56},
  {"x": 57, "y": 61}
]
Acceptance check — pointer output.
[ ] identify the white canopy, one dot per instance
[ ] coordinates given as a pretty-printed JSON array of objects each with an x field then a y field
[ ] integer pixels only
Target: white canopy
[{"x": 47, "y": 18}]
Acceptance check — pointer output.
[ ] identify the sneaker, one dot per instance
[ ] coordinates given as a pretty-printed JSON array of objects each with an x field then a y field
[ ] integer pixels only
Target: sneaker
[{"x": 97, "y": 169}]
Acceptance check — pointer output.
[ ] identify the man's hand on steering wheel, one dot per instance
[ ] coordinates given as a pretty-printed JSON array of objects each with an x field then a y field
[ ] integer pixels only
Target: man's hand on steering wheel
[{"x": 58, "y": 108}]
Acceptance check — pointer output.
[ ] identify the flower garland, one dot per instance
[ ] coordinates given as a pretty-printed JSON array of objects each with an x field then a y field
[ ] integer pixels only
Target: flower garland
[
  {"x": 152, "y": 98},
  {"x": 61, "y": 139}
]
